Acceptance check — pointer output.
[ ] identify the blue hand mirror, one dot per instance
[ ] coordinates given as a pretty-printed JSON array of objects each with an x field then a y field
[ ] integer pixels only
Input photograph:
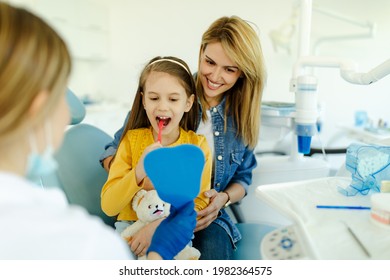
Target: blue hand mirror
[{"x": 176, "y": 172}]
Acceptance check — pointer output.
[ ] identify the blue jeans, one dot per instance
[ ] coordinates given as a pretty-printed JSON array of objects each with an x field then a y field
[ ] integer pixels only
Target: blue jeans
[{"x": 213, "y": 243}]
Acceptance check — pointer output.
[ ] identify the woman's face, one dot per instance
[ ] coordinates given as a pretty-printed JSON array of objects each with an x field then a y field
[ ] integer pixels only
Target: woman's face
[
  {"x": 166, "y": 100},
  {"x": 51, "y": 130},
  {"x": 59, "y": 120},
  {"x": 217, "y": 72}
]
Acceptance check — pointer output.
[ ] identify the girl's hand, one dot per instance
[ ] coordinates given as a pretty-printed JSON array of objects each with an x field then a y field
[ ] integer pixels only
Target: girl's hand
[
  {"x": 107, "y": 163},
  {"x": 139, "y": 170},
  {"x": 210, "y": 213},
  {"x": 140, "y": 242}
]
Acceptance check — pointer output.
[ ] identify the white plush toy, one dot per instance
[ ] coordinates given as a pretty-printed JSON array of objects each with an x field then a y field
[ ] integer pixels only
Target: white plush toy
[{"x": 149, "y": 207}]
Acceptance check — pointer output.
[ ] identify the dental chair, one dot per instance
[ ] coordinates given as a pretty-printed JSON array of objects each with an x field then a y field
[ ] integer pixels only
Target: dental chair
[
  {"x": 81, "y": 178},
  {"x": 80, "y": 174},
  {"x": 248, "y": 248}
]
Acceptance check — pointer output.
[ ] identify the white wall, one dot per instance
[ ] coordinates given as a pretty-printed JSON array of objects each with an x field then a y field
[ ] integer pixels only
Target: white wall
[{"x": 140, "y": 30}]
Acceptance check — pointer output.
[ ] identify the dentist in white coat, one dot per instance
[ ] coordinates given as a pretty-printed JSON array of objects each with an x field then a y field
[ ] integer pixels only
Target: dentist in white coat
[{"x": 36, "y": 223}]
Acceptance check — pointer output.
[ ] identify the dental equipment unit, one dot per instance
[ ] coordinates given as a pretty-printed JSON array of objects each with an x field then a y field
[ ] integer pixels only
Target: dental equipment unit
[{"x": 305, "y": 85}]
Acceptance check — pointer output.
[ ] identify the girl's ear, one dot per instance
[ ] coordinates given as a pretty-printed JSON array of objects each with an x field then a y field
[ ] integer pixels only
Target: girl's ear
[
  {"x": 190, "y": 101},
  {"x": 38, "y": 103}
]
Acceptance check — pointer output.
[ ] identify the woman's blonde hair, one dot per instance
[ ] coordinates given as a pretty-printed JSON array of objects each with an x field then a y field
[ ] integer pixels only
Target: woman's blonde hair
[
  {"x": 33, "y": 58},
  {"x": 243, "y": 101}
]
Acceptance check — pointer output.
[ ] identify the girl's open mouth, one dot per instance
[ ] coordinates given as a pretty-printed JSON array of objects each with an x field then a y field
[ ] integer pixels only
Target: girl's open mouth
[{"x": 164, "y": 120}]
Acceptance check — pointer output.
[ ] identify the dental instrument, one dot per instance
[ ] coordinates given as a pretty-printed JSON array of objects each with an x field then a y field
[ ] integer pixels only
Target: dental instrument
[
  {"x": 343, "y": 207},
  {"x": 358, "y": 240},
  {"x": 160, "y": 127}
]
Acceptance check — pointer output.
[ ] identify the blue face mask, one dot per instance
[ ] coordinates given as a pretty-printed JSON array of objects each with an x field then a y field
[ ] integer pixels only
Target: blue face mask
[{"x": 39, "y": 165}]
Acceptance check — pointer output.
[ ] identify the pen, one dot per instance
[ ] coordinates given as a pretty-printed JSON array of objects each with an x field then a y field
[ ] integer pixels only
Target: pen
[
  {"x": 343, "y": 207},
  {"x": 358, "y": 241}
]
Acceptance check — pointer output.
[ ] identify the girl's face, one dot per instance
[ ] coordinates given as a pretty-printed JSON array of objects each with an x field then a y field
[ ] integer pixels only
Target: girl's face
[
  {"x": 218, "y": 73},
  {"x": 164, "y": 98}
]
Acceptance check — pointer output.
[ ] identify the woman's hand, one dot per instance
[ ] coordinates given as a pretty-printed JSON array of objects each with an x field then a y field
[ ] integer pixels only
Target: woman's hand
[
  {"x": 210, "y": 213},
  {"x": 140, "y": 242}
]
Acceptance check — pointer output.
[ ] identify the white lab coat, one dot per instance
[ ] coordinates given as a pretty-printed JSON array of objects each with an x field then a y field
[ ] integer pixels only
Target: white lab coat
[{"x": 40, "y": 224}]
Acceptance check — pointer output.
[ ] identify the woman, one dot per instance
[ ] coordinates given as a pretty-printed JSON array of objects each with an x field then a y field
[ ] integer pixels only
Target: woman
[
  {"x": 230, "y": 81},
  {"x": 36, "y": 223}
]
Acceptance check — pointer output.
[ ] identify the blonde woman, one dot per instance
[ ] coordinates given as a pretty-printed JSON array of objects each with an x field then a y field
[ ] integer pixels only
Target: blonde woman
[
  {"x": 36, "y": 223},
  {"x": 230, "y": 82}
]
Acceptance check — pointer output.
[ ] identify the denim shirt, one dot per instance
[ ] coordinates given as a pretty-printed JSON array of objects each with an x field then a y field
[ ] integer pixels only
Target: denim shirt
[{"x": 233, "y": 161}]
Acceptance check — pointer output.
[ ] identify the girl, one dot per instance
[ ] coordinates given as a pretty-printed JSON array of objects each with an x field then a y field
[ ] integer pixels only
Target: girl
[
  {"x": 164, "y": 104},
  {"x": 230, "y": 82}
]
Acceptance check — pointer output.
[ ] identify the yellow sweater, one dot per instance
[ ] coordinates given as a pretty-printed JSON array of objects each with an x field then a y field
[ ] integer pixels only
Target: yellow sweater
[{"x": 121, "y": 185}]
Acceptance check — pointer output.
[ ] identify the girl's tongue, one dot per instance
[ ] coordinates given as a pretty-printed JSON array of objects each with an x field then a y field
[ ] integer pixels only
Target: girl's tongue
[{"x": 163, "y": 121}]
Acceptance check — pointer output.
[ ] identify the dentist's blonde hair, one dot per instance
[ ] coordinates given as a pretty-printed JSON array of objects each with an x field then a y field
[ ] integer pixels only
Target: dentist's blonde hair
[
  {"x": 33, "y": 58},
  {"x": 243, "y": 101}
]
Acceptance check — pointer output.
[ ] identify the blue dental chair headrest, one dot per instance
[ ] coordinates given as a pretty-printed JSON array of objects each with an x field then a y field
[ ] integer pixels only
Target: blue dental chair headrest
[
  {"x": 76, "y": 108},
  {"x": 79, "y": 172}
]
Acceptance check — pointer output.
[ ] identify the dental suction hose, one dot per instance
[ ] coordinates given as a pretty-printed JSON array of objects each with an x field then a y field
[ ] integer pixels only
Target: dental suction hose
[{"x": 306, "y": 113}]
